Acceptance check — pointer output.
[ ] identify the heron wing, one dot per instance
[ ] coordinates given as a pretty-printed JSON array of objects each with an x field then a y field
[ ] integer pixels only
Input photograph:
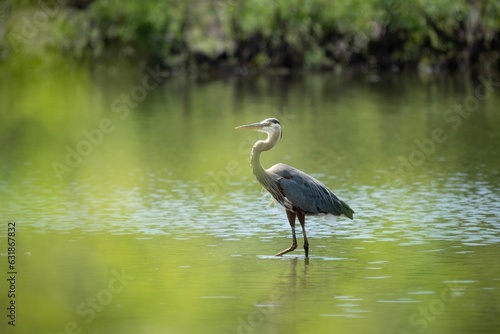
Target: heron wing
[{"x": 305, "y": 192}]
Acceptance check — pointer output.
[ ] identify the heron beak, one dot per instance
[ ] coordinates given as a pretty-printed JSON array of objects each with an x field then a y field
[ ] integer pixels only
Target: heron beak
[{"x": 254, "y": 126}]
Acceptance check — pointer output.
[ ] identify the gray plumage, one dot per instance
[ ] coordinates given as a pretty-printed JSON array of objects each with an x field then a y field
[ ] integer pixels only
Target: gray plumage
[
  {"x": 305, "y": 192},
  {"x": 299, "y": 193}
]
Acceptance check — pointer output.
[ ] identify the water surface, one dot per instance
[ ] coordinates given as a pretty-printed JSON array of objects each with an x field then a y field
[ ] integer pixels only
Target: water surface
[{"x": 137, "y": 212}]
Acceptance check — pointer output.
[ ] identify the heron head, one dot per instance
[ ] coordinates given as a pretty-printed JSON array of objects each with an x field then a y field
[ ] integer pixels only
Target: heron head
[{"x": 269, "y": 126}]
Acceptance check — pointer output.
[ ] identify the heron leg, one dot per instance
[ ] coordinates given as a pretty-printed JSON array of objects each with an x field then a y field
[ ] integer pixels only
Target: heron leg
[
  {"x": 302, "y": 219},
  {"x": 291, "y": 219}
]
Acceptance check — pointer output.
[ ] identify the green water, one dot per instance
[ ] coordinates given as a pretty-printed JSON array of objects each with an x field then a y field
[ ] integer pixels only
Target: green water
[{"x": 136, "y": 210}]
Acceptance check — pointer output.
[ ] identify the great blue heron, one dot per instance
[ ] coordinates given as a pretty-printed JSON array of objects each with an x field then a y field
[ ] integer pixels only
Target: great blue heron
[{"x": 299, "y": 193}]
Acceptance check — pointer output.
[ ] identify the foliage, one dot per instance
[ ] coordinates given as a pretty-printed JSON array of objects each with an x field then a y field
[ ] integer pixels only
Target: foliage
[{"x": 263, "y": 34}]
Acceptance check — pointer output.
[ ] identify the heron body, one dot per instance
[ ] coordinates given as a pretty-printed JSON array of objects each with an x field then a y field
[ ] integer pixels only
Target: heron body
[{"x": 300, "y": 193}]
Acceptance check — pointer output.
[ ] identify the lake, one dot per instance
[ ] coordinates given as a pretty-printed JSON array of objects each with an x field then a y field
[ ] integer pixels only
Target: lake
[{"x": 132, "y": 208}]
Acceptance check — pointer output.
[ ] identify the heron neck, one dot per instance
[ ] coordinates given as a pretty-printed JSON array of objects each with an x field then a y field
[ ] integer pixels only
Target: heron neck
[
  {"x": 258, "y": 147},
  {"x": 268, "y": 180},
  {"x": 257, "y": 169}
]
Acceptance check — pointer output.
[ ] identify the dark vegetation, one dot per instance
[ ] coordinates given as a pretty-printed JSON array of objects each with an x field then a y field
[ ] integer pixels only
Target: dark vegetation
[{"x": 245, "y": 35}]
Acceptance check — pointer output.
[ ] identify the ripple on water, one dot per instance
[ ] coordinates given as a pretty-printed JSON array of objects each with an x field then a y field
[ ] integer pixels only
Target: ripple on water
[
  {"x": 353, "y": 314},
  {"x": 399, "y": 301},
  {"x": 350, "y": 307},
  {"x": 452, "y": 208},
  {"x": 422, "y": 292}
]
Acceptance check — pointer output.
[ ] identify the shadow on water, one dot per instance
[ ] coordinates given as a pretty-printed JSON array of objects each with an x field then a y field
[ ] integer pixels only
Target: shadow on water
[{"x": 271, "y": 313}]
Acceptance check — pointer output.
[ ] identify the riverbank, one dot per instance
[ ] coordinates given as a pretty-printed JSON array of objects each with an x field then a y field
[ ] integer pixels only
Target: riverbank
[{"x": 242, "y": 36}]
